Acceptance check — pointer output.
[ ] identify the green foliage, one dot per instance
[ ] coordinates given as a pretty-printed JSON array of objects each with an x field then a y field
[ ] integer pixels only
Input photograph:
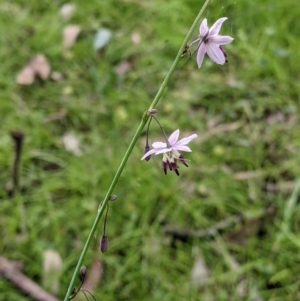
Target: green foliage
[{"x": 245, "y": 161}]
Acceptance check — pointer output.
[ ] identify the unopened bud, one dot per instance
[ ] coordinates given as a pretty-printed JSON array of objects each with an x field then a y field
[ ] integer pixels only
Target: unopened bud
[
  {"x": 146, "y": 150},
  {"x": 112, "y": 197},
  {"x": 82, "y": 272},
  {"x": 103, "y": 243},
  {"x": 152, "y": 112},
  {"x": 17, "y": 135}
]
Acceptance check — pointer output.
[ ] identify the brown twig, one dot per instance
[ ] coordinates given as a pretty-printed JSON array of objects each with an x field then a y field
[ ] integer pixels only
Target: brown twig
[
  {"x": 9, "y": 270},
  {"x": 218, "y": 227}
]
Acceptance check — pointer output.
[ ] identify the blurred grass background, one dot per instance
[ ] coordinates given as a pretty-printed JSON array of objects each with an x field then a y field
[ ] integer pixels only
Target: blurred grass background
[{"x": 244, "y": 165}]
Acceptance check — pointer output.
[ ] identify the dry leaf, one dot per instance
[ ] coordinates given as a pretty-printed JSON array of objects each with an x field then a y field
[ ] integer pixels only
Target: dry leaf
[
  {"x": 52, "y": 266},
  {"x": 102, "y": 38},
  {"x": 71, "y": 143},
  {"x": 135, "y": 38},
  {"x": 70, "y": 35},
  {"x": 123, "y": 67},
  {"x": 25, "y": 76},
  {"x": 94, "y": 275},
  {"x": 66, "y": 11},
  {"x": 199, "y": 272},
  {"x": 38, "y": 66},
  {"x": 41, "y": 66}
]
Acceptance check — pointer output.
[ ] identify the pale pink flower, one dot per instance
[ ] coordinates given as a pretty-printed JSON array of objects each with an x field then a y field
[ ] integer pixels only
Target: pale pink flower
[
  {"x": 211, "y": 42},
  {"x": 171, "y": 150}
]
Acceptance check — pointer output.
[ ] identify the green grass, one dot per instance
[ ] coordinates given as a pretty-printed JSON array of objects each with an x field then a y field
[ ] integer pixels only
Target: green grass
[{"x": 246, "y": 159}]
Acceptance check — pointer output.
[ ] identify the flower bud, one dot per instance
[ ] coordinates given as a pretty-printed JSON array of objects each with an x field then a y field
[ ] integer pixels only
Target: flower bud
[
  {"x": 103, "y": 243},
  {"x": 146, "y": 150},
  {"x": 152, "y": 112},
  {"x": 17, "y": 135},
  {"x": 82, "y": 272},
  {"x": 112, "y": 197}
]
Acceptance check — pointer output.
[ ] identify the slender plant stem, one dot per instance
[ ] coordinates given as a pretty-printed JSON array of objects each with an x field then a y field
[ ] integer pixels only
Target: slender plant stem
[
  {"x": 131, "y": 146},
  {"x": 179, "y": 55},
  {"x": 163, "y": 131}
]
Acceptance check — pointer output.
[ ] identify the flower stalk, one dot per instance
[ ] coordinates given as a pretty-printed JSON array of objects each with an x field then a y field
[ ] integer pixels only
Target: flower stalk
[
  {"x": 133, "y": 142},
  {"x": 163, "y": 131}
]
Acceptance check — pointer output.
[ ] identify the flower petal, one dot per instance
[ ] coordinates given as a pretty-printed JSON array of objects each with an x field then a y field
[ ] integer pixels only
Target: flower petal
[
  {"x": 203, "y": 28},
  {"x": 152, "y": 151},
  {"x": 183, "y": 148},
  {"x": 215, "y": 54},
  {"x": 174, "y": 137},
  {"x": 158, "y": 145},
  {"x": 215, "y": 29},
  {"x": 163, "y": 151},
  {"x": 201, "y": 53},
  {"x": 186, "y": 140},
  {"x": 220, "y": 40}
]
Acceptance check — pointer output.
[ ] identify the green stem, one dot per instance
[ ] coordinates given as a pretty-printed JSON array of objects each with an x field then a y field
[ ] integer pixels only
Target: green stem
[
  {"x": 130, "y": 148},
  {"x": 179, "y": 55}
]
